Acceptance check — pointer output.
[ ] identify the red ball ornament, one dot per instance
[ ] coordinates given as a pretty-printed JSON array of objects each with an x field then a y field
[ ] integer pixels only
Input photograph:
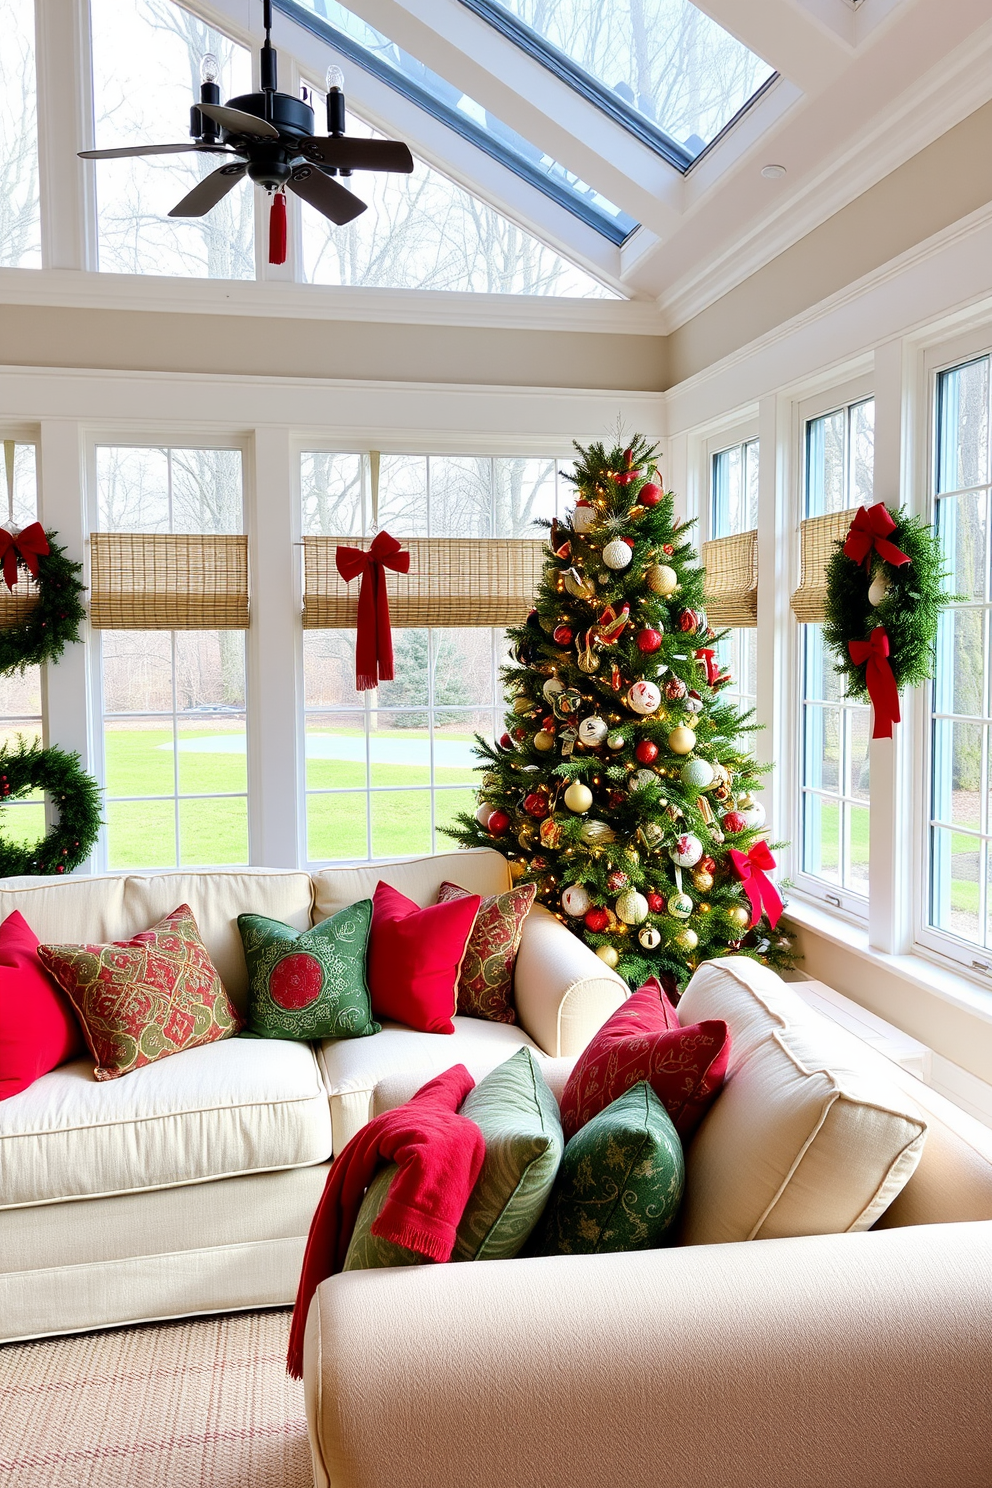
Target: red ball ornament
[
  {"x": 563, "y": 635},
  {"x": 649, "y": 640},
  {"x": 629, "y": 541},
  {"x": 656, "y": 902},
  {"x": 734, "y": 822},
  {"x": 646, "y": 751},
  {"x": 505, "y": 742},
  {"x": 536, "y": 805},
  {"x": 498, "y": 823},
  {"x": 616, "y": 881},
  {"x": 520, "y": 733},
  {"x": 707, "y": 865},
  {"x": 668, "y": 549},
  {"x": 596, "y": 919},
  {"x": 650, "y": 495}
]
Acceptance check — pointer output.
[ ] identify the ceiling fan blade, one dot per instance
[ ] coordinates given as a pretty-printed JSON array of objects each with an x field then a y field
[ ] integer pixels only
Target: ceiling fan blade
[
  {"x": 210, "y": 191},
  {"x": 326, "y": 195},
  {"x": 127, "y": 150},
  {"x": 359, "y": 154},
  {"x": 237, "y": 122}
]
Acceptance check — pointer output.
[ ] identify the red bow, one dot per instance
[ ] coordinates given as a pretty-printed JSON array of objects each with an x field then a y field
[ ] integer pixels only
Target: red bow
[
  {"x": 711, "y": 666},
  {"x": 868, "y": 532},
  {"x": 879, "y": 680},
  {"x": 374, "y": 642},
  {"x": 751, "y": 870},
  {"x": 29, "y": 545}
]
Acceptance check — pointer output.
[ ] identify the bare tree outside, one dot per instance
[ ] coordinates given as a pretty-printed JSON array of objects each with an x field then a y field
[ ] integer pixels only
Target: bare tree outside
[{"x": 20, "y": 220}]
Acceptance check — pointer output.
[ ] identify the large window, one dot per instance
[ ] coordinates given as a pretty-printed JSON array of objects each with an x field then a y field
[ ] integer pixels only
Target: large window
[
  {"x": 146, "y": 73},
  {"x": 20, "y": 222},
  {"x": 174, "y": 735},
  {"x": 838, "y": 474},
  {"x": 960, "y": 825},
  {"x": 20, "y": 692},
  {"x": 385, "y": 771},
  {"x": 734, "y": 509}
]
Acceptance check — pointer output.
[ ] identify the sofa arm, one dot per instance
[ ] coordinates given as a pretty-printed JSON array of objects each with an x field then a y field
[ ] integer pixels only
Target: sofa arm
[
  {"x": 821, "y": 1362},
  {"x": 563, "y": 992}
]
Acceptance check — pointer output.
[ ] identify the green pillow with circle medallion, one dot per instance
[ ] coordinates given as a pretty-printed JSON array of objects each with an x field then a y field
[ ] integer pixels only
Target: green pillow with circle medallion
[{"x": 309, "y": 984}]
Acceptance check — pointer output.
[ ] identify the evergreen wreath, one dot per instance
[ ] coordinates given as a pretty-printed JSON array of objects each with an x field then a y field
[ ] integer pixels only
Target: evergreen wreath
[
  {"x": 54, "y": 621},
  {"x": 76, "y": 796},
  {"x": 909, "y": 611}
]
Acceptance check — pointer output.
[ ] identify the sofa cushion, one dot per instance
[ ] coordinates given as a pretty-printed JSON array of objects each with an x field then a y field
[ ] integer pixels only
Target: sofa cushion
[
  {"x": 485, "y": 983},
  {"x": 38, "y": 1028},
  {"x": 478, "y": 870},
  {"x": 809, "y": 1135},
  {"x": 309, "y": 985},
  {"x": 415, "y": 956},
  {"x": 240, "y": 1106},
  {"x": 352, "y": 1068},
  {"x": 142, "y": 999}
]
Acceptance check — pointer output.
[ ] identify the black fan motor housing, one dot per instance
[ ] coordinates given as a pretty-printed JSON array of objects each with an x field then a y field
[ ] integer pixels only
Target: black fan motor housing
[{"x": 291, "y": 116}]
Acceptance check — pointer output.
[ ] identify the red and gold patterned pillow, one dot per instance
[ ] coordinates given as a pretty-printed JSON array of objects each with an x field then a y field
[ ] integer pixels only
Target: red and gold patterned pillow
[
  {"x": 146, "y": 998},
  {"x": 485, "y": 986}
]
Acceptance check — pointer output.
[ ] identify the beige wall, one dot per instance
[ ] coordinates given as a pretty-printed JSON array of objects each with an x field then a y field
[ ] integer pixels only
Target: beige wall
[{"x": 943, "y": 183}]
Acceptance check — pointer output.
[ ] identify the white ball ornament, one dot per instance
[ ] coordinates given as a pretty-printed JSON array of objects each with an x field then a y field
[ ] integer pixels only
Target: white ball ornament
[
  {"x": 649, "y": 938},
  {"x": 615, "y": 741},
  {"x": 578, "y": 797},
  {"x": 483, "y": 812},
  {"x": 661, "y": 579},
  {"x": 686, "y": 851},
  {"x": 575, "y": 900},
  {"x": 593, "y": 731},
  {"x": 544, "y": 741},
  {"x": 682, "y": 740},
  {"x": 552, "y": 688},
  {"x": 644, "y": 698},
  {"x": 632, "y": 907},
  {"x": 754, "y": 814},
  {"x": 679, "y": 906},
  {"x": 608, "y": 954},
  {"x": 697, "y": 774},
  {"x": 693, "y": 705},
  {"x": 583, "y": 517},
  {"x": 617, "y": 554},
  {"x": 642, "y": 778},
  {"x": 596, "y": 833}
]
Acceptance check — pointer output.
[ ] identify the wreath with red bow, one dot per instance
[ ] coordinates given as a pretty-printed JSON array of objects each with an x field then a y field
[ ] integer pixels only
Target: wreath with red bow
[
  {"x": 885, "y": 592},
  {"x": 51, "y": 624}
]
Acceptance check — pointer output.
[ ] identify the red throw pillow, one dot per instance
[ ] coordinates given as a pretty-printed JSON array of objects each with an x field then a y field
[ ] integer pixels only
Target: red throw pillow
[
  {"x": 485, "y": 987},
  {"x": 685, "y": 1067},
  {"x": 415, "y": 956},
  {"x": 37, "y": 1027}
]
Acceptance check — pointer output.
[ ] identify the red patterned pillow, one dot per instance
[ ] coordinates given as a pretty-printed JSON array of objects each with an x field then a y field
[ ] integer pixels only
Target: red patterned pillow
[
  {"x": 143, "y": 999},
  {"x": 685, "y": 1067},
  {"x": 485, "y": 987}
]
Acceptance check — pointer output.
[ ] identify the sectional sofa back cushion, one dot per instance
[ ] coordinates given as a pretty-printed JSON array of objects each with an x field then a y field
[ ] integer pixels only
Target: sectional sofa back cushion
[
  {"x": 809, "y": 1136},
  {"x": 478, "y": 871}
]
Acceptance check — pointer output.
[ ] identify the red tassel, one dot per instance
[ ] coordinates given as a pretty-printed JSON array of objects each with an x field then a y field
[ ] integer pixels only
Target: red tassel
[{"x": 277, "y": 228}]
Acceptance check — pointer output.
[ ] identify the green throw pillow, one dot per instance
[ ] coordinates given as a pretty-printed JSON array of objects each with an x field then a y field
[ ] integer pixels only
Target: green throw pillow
[
  {"x": 518, "y": 1117},
  {"x": 620, "y": 1182},
  {"x": 309, "y": 985}
]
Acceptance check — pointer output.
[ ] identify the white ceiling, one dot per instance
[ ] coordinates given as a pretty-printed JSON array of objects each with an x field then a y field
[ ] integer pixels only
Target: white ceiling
[{"x": 861, "y": 88}]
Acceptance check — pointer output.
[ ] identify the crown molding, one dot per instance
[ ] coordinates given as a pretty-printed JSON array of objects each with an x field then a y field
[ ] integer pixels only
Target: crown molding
[
  {"x": 949, "y": 93},
  {"x": 79, "y": 289}
]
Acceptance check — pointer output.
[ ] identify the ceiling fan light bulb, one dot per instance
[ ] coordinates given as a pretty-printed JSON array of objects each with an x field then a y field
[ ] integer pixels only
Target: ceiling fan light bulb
[
  {"x": 334, "y": 78},
  {"x": 209, "y": 68}
]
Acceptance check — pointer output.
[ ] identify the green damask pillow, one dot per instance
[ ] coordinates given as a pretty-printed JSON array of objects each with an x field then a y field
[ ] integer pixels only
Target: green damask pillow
[
  {"x": 518, "y": 1117},
  {"x": 309, "y": 985},
  {"x": 620, "y": 1182}
]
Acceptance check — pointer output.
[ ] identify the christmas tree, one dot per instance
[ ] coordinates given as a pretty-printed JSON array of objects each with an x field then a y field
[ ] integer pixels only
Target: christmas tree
[{"x": 621, "y": 787}]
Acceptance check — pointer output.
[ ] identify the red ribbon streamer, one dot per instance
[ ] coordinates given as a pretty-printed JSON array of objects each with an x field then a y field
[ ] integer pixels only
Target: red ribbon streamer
[
  {"x": 879, "y": 680},
  {"x": 374, "y": 644},
  {"x": 277, "y": 228},
  {"x": 752, "y": 871},
  {"x": 869, "y": 532},
  {"x": 29, "y": 545},
  {"x": 707, "y": 656}
]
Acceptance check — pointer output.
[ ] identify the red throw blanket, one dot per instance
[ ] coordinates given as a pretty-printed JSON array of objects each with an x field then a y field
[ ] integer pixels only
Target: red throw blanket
[{"x": 439, "y": 1155}]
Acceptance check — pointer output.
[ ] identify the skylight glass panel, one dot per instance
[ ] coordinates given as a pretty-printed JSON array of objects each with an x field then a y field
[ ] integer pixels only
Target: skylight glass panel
[
  {"x": 20, "y": 222},
  {"x": 351, "y": 35},
  {"x": 425, "y": 232},
  {"x": 664, "y": 59}
]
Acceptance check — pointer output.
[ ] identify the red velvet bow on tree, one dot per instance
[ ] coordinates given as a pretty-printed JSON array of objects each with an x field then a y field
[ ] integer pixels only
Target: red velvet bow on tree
[
  {"x": 873, "y": 654},
  {"x": 752, "y": 871},
  {"x": 869, "y": 533},
  {"x": 29, "y": 545},
  {"x": 711, "y": 666},
  {"x": 374, "y": 642}
]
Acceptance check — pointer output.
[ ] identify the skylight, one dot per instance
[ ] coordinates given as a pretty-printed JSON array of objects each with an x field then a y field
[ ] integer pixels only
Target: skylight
[
  {"x": 350, "y": 35},
  {"x": 660, "y": 67}
]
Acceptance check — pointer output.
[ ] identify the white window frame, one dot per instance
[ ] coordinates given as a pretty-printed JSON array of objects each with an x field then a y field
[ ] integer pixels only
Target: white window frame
[{"x": 718, "y": 444}]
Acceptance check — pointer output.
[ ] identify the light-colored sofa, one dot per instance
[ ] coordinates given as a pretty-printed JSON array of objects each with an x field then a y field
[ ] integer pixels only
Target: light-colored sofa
[
  {"x": 858, "y": 1360},
  {"x": 188, "y": 1186}
]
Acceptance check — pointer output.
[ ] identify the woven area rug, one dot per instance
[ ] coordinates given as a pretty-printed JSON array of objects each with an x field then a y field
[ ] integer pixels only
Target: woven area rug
[{"x": 204, "y": 1404}]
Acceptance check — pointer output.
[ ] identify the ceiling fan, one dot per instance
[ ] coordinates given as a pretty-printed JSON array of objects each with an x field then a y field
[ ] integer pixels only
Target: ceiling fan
[{"x": 269, "y": 137}]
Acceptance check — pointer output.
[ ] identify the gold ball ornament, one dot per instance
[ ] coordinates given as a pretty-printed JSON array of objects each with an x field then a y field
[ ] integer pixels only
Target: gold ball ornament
[
  {"x": 522, "y": 705},
  {"x": 608, "y": 955},
  {"x": 517, "y": 871},
  {"x": 738, "y": 915},
  {"x": 527, "y": 836},
  {"x": 578, "y": 797},
  {"x": 687, "y": 939},
  {"x": 682, "y": 740},
  {"x": 702, "y": 880},
  {"x": 544, "y": 741},
  {"x": 661, "y": 579}
]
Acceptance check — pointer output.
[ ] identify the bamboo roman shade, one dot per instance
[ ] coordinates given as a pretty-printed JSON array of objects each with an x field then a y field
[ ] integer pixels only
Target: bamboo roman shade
[
  {"x": 817, "y": 538},
  {"x": 452, "y": 581},
  {"x": 17, "y": 604},
  {"x": 731, "y": 565},
  {"x": 168, "y": 581}
]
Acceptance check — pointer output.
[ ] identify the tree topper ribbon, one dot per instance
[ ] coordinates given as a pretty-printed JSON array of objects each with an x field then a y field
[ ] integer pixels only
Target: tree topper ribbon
[
  {"x": 374, "y": 642},
  {"x": 879, "y": 679},
  {"x": 30, "y": 544},
  {"x": 752, "y": 871},
  {"x": 607, "y": 630},
  {"x": 869, "y": 531}
]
